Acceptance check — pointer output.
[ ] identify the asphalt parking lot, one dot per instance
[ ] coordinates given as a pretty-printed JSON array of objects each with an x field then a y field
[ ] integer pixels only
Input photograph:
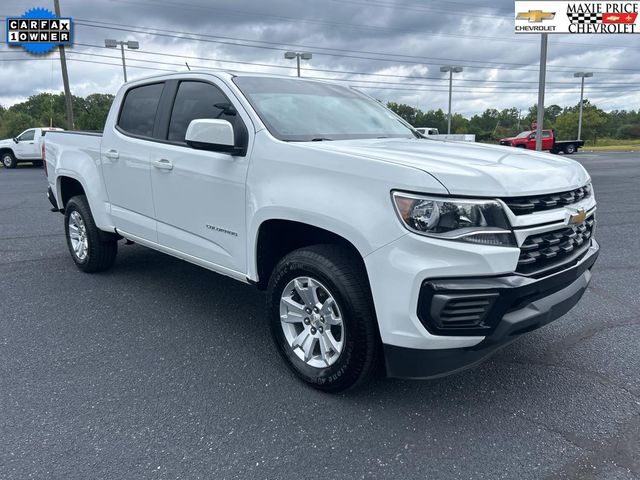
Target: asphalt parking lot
[{"x": 160, "y": 369}]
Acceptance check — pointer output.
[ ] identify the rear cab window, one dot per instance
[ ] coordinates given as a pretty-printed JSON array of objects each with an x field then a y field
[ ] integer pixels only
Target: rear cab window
[{"x": 139, "y": 108}]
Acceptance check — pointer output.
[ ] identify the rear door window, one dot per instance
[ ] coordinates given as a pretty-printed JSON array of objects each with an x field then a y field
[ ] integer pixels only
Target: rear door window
[{"x": 139, "y": 108}]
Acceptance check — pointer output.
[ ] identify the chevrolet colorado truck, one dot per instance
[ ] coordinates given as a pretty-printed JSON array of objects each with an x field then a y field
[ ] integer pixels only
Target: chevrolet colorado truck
[
  {"x": 549, "y": 142},
  {"x": 26, "y": 147},
  {"x": 376, "y": 246}
]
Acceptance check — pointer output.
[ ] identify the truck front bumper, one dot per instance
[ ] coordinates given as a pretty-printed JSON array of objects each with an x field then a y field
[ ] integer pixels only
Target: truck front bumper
[
  {"x": 442, "y": 306},
  {"x": 502, "y": 307}
]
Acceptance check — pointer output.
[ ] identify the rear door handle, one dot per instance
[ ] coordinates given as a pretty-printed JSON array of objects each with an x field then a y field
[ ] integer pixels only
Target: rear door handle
[
  {"x": 163, "y": 164},
  {"x": 112, "y": 154}
]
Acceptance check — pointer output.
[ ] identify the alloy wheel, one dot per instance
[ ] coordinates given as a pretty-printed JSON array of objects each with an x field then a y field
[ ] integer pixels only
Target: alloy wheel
[
  {"x": 312, "y": 322},
  {"x": 78, "y": 236}
]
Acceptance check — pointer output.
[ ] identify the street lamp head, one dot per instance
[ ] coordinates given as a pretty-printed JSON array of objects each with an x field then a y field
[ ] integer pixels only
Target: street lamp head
[
  {"x": 457, "y": 69},
  {"x": 583, "y": 74},
  {"x": 290, "y": 55},
  {"x": 445, "y": 69},
  {"x": 133, "y": 45},
  {"x": 306, "y": 56},
  {"x": 110, "y": 43}
]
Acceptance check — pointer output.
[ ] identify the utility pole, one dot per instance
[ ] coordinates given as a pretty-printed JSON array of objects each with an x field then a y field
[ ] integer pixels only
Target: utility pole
[
  {"x": 451, "y": 69},
  {"x": 68, "y": 101},
  {"x": 582, "y": 76},
  {"x": 541, "y": 85}
]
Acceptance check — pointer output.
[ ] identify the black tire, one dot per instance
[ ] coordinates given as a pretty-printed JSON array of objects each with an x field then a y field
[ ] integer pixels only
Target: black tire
[
  {"x": 521, "y": 146},
  {"x": 345, "y": 277},
  {"x": 37, "y": 163},
  {"x": 102, "y": 247},
  {"x": 570, "y": 149},
  {"x": 9, "y": 160}
]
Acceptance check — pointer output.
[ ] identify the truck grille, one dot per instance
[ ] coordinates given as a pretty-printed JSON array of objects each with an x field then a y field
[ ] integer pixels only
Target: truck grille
[
  {"x": 541, "y": 254},
  {"x": 537, "y": 203}
]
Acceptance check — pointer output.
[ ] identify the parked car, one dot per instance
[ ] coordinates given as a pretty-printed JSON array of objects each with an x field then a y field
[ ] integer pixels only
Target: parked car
[
  {"x": 375, "y": 245},
  {"x": 26, "y": 147},
  {"x": 549, "y": 142},
  {"x": 428, "y": 131}
]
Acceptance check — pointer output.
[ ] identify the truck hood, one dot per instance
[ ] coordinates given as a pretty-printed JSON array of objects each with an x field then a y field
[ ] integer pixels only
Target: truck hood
[
  {"x": 471, "y": 168},
  {"x": 7, "y": 142}
]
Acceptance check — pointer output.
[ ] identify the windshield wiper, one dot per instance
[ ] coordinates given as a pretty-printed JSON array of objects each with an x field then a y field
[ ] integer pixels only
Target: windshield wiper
[{"x": 321, "y": 139}]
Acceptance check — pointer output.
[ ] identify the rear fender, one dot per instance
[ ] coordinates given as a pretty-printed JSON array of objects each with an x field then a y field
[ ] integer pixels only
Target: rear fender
[{"x": 83, "y": 166}]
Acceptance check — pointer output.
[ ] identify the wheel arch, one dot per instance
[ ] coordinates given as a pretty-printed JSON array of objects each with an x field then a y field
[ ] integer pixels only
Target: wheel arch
[
  {"x": 5, "y": 150},
  {"x": 68, "y": 187},
  {"x": 276, "y": 237}
]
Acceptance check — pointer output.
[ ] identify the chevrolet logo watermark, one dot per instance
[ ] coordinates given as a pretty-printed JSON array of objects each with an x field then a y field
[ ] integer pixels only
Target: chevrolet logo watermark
[
  {"x": 578, "y": 217},
  {"x": 536, "y": 16}
]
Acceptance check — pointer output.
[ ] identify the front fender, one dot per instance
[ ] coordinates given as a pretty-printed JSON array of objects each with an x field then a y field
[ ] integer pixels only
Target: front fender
[{"x": 347, "y": 195}]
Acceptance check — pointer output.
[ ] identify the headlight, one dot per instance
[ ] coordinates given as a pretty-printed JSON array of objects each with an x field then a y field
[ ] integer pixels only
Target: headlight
[{"x": 476, "y": 221}]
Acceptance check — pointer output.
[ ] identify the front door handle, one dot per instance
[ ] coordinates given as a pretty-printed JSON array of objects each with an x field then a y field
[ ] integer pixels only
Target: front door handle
[
  {"x": 163, "y": 164},
  {"x": 112, "y": 154}
]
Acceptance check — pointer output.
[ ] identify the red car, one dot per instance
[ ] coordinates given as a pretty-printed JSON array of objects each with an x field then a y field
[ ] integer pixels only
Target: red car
[{"x": 549, "y": 143}]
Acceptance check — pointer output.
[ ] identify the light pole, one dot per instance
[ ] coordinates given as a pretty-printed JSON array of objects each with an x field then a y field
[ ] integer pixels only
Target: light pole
[
  {"x": 131, "y": 44},
  {"x": 451, "y": 69},
  {"x": 582, "y": 76},
  {"x": 298, "y": 56}
]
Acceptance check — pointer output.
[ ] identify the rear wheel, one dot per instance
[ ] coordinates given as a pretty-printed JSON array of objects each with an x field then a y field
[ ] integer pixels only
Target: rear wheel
[
  {"x": 8, "y": 160},
  {"x": 570, "y": 149},
  {"x": 91, "y": 249},
  {"x": 322, "y": 317},
  {"x": 37, "y": 163}
]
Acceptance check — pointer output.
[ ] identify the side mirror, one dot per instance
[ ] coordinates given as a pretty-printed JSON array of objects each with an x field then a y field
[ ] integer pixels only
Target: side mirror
[
  {"x": 211, "y": 134},
  {"x": 15, "y": 139}
]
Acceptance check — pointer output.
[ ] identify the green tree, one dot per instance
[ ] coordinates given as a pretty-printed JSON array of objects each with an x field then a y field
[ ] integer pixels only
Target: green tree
[
  {"x": 593, "y": 120},
  {"x": 95, "y": 109},
  {"x": 407, "y": 112},
  {"x": 15, "y": 122}
]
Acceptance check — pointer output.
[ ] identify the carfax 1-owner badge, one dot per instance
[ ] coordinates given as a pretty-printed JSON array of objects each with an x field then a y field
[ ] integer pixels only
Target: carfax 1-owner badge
[
  {"x": 615, "y": 17},
  {"x": 38, "y": 31}
]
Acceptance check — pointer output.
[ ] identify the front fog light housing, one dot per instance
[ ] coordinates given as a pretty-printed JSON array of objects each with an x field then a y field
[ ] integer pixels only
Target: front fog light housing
[{"x": 475, "y": 221}]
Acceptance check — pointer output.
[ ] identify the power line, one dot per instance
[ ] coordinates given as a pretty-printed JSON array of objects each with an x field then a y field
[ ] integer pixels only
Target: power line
[
  {"x": 209, "y": 39},
  {"x": 395, "y": 86},
  {"x": 353, "y": 25}
]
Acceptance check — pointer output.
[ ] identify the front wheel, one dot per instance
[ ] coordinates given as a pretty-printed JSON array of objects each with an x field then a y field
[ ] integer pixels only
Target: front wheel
[
  {"x": 8, "y": 160},
  {"x": 570, "y": 149},
  {"x": 91, "y": 249},
  {"x": 322, "y": 317}
]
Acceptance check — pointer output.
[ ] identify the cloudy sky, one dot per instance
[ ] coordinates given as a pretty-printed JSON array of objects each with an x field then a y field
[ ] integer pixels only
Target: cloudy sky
[{"x": 392, "y": 49}]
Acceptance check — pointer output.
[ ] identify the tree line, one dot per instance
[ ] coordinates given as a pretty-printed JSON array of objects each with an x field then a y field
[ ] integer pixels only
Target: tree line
[
  {"x": 48, "y": 109},
  {"x": 493, "y": 124}
]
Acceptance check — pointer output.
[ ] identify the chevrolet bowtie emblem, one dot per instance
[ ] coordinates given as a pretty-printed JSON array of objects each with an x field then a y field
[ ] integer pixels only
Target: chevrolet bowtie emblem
[
  {"x": 578, "y": 217},
  {"x": 535, "y": 16}
]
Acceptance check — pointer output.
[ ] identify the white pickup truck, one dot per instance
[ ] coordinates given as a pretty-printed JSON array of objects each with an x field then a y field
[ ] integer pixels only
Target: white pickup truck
[
  {"x": 375, "y": 245},
  {"x": 26, "y": 147}
]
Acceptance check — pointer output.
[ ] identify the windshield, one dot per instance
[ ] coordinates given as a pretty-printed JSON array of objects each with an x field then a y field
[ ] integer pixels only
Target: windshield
[
  {"x": 303, "y": 111},
  {"x": 523, "y": 135}
]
